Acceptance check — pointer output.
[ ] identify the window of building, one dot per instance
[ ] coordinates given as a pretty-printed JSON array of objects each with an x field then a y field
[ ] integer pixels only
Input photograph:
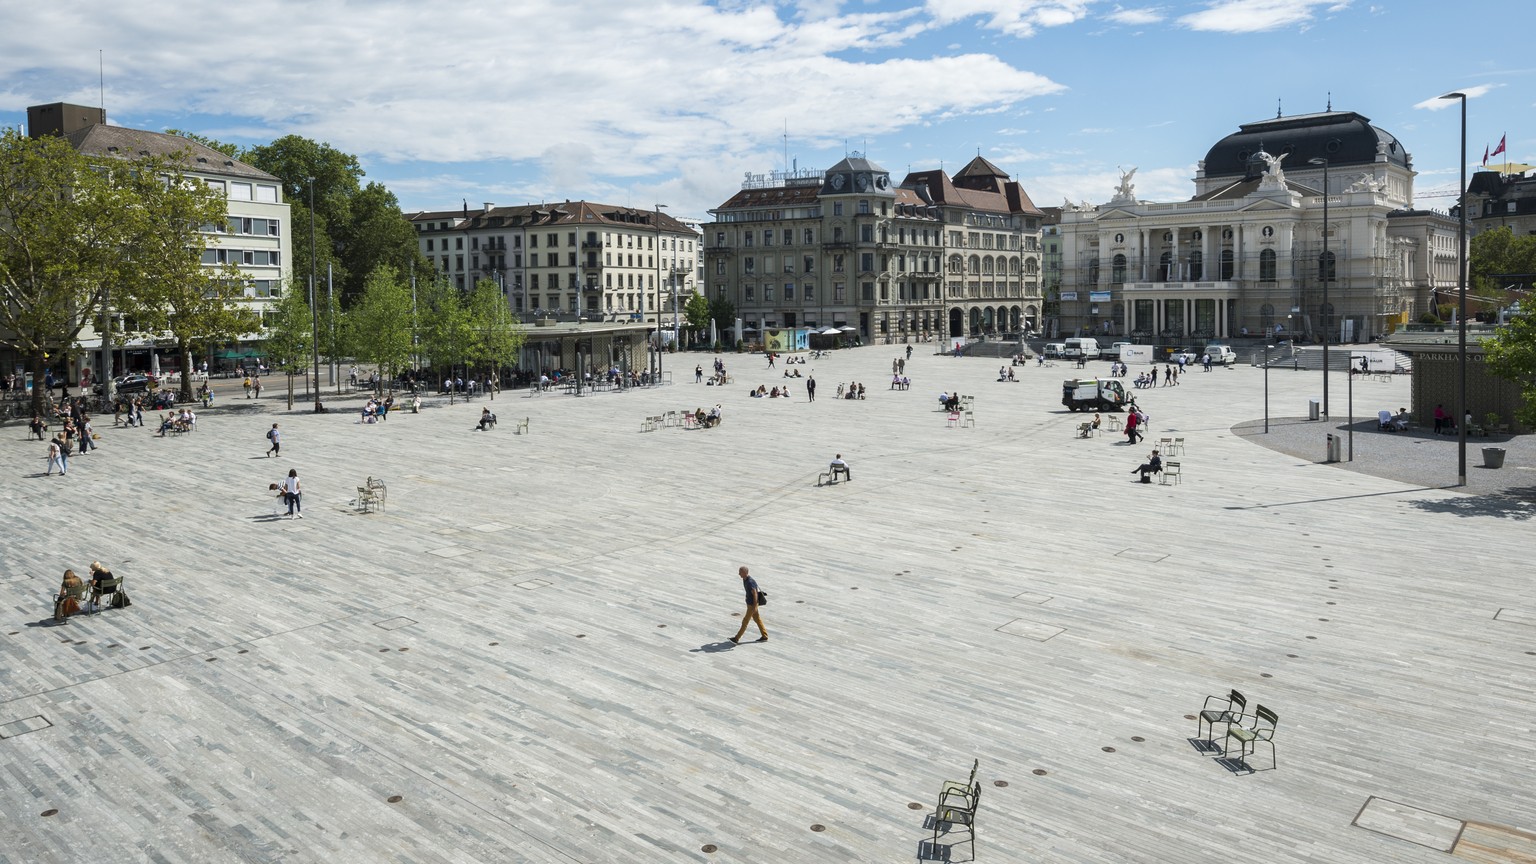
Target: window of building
[
  {"x": 749, "y": 293},
  {"x": 768, "y": 237},
  {"x": 719, "y": 238},
  {"x": 746, "y": 239},
  {"x": 867, "y": 233},
  {"x": 810, "y": 236},
  {"x": 429, "y": 244},
  {"x": 1117, "y": 270},
  {"x": 867, "y": 291},
  {"x": 1326, "y": 271},
  {"x": 837, "y": 208},
  {"x": 789, "y": 263},
  {"x": 1267, "y": 266},
  {"x": 808, "y": 264},
  {"x": 808, "y": 291},
  {"x": 1196, "y": 266},
  {"x": 864, "y": 207},
  {"x": 1093, "y": 272},
  {"x": 867, "y": 262},
  {"x": 570, "y": 239},
  {"x": 533, "y": 282},
  {"x": 789, "y": 291},
  {"x": 533, "y": 241},
  {"x": 839, "y": 292},
  {"x": 266, "y": 194},
  {"x": 1226, "y": 264},
  {"x": 240, "y": 191},
  {"x": 837, "y": 263},
  {"x": 458, "y": 242},
  {"x": 720, "y": 267},
  {"x": 749, "y": 264},
  {"x": 767, "y": 293}
]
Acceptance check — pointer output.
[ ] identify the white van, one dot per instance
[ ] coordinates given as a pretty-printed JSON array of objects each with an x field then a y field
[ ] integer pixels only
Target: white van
[
  {"x": 1085, "y": 347},
  {"x": 1054, "y": 349}
]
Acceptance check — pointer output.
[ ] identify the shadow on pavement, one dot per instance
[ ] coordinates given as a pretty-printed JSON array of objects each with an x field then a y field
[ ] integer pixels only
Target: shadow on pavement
[{"x": 1514, "y": 503}]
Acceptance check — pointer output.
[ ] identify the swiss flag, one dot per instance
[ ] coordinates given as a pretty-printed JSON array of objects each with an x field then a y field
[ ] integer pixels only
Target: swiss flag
[{"x": 1499, "y": 149}]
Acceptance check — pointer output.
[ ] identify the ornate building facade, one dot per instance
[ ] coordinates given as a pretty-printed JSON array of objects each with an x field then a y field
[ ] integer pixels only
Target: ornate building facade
[
  {"x": 847, "y": 248},
  {"x": 1256, "y": 248}
]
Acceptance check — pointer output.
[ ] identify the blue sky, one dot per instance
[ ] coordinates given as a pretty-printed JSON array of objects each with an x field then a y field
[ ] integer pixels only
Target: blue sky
[{"x": 672, "y": 101}]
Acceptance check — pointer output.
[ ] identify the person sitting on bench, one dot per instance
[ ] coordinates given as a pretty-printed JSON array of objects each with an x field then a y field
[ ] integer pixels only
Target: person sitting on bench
[
  {"x": 839, "y": 466},
  {"x": 1153, "y": 465}
]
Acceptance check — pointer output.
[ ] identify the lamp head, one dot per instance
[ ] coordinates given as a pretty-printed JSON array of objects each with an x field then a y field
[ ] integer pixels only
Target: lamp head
[
  {"x": 1317, "y": 161},
  {"x": 1454, "y": 96}
]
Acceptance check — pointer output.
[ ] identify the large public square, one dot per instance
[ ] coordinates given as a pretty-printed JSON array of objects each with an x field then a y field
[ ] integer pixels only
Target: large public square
[{"x": 524, "y": 655}]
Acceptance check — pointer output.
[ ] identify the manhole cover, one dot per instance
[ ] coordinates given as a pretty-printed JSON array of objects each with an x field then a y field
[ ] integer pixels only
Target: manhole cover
[
  {"x": 1293, "y": 656},
  {"x": 395, "y": 799},
  {"x": 581, "y": 635},
  {"x": 383, "y": 650},
  {"x": 493, "y": 644},
  {"x": 818, "y": 827},
  {"x": 1040, "y": 772},
  {"x": 709, "y": 847},
  {"x": 1189, "y": 716},
  {"x": 1107, "y": 749},
  {"x": 914, "y": 806},
  {"x": 145, "y": 648},
  {"x": 1265, "y": 675},
  {"x": 1137, "y": 738},
  {"x": 243, "y": 651},
  {"x": 209, "y": 659},
  {"x": 1001, "y": 784},
  {"x": 402, "y": 649},
  {"x": 50, "y": 812}
]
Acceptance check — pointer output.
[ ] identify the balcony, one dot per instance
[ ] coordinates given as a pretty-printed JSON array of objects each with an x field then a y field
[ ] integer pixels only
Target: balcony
[
  {"x": 837, "y": 244},
  {"x": 592, "y": 265},
  {"x": 592, "y": 244},
  {"x": 719, "y": 250}
]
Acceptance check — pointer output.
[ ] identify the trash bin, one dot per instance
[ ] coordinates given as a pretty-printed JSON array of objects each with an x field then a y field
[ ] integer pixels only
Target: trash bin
[
  {"x": 1315, "y": 409},
  {"x": 1493, "y": 457},
  {"x": 1333, "y": 445}
]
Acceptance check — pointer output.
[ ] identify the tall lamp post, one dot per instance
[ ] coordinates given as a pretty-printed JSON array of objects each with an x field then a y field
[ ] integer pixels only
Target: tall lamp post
[
  {"x": 656, "y": 366},
  {"x": 1267, "y": 349},
  {"x": 1461, "y": 291},
  {"x": 1325, "y": 273},
  {"x": 314, "y": 317}
]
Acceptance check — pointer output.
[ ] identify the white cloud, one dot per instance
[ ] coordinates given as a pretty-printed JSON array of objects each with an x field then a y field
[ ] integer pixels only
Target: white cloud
[
  {"x": 1254, "y": 16},
  {"x": 1020, "y": 18},
  {"x": 1135, "y": 17},
  {"x": 1435, "y": 103},
  {"x": 622, "y": 91}
]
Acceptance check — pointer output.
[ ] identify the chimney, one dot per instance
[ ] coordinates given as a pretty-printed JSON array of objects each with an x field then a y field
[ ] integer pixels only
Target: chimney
[{"x": 489, "y": 206}]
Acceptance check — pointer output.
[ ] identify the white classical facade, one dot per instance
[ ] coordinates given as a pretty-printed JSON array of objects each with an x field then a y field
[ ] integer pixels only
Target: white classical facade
[{"x": 1284, "y": 211}]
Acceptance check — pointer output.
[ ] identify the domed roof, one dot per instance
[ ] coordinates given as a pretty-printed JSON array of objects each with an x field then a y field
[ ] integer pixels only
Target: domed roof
[{"x": 1341, "y": 137}]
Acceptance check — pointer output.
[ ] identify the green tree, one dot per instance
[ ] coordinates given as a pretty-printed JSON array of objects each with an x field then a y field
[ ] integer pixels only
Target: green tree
[
  {"x": 289, "y": 335},
  {"x": 61, "y": 245},
  {"x": 499, "y": 334},
  {"x": 447, "y": 327},
  {"x": 723, "y": 313},
  {"x": 696, "y": 312},
  {"x": 1494, "y": 254},
  {"x": 379, "y": 325},
  {"x": 169, "y": 291},
  {"x": 1511, "y": 355},
  {"x": 376, "y": 233}
]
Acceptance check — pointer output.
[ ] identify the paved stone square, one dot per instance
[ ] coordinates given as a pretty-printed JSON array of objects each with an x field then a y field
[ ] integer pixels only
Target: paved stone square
[{"x": 524, "y": 656}]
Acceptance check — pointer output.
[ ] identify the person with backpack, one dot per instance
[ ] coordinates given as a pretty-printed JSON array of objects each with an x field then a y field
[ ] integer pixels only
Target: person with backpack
[
  {"x": 56, "y": 456},
  {"x": 276, "y": 438}
]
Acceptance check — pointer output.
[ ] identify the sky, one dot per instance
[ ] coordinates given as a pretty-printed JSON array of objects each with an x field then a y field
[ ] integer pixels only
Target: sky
[{"x": 672, "y": 102}]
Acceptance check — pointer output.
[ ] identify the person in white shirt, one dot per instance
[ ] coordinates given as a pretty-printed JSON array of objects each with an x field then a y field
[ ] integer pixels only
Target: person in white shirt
[
  {"x": 292, "y": 492},
  {"x": 839, "y": 466}
]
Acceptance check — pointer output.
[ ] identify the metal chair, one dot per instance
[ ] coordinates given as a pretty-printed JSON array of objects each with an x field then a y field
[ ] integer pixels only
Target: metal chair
[
  {"x": 958, "y": 810},
  {"x": 1228, "y": 712},
  {"x": 104, "y": 589},
  {"x": 1248, "y": 738},
  {"x": 1178, "y": 447},
  {"x": 1171, "y": 469},
  {"x": 955, "y": 787}
]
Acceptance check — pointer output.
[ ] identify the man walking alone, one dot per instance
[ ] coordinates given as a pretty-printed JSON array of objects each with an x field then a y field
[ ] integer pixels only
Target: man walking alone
[
  {"x": 276, "y": 438},
  {"x": 750, "y": 586}
]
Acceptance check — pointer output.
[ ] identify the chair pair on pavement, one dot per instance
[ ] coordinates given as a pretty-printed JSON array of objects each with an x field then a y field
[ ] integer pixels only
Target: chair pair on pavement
[
  {"x": 1249, "y": 730},
  {"x": 107, "y": 591},
  {"x": 957, "y": 806}
]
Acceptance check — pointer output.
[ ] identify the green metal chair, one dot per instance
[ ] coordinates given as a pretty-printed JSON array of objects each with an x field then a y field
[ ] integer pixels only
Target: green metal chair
[
  {"x": 104, "y": 589},
  {"x": 1249, "y": 737},
  {"x": 1216, "y": 710},
  {"x": 955, "y": 787},
  {"x": 77, "y": 593},
  {"x": 952, "y": 812}
]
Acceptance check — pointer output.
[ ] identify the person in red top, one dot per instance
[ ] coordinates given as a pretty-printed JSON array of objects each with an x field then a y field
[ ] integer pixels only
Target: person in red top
[
  {"x": 1132, "y": 420},
  {"x": 1440, "y": 418}
]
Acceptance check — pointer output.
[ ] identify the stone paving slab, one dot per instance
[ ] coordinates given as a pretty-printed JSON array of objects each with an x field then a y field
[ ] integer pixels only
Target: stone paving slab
[{"x": 560, "y": 689}]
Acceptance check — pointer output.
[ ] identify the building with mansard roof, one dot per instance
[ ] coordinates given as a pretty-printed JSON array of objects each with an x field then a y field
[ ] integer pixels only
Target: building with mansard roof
[
  {"x": 1246, "y": 253},
  {"x": 847, "y": 248}
]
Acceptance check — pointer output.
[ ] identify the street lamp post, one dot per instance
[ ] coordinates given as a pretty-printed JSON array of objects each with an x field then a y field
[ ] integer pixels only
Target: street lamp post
[
  {"x": 1325, "y": 272},
  {"x": 1266, "y": 387},
  {"x": 656, "y": 365},
  {"x": 1351, "y": 427},
  {"x": 314, "y": 318},
  {"x": 1461, "y": 291}
]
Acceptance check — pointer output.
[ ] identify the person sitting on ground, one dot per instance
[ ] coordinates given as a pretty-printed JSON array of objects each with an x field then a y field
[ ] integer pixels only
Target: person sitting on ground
[
  {"x": 839, "y": 466},
  {"x": 1010, "y": 374},
  {"x": 774, "y": 394},
  {"x": 1401, "y": 420},
  {"x": 1153, "y": 465},
  {"x": 1002, "y": 373},
  {"x": 861, "y": 391},
  {"x": 416, "y": 404},
  {"x": 487, "y": 420}
]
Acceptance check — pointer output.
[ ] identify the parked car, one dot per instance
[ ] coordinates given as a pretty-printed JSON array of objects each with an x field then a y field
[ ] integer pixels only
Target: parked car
[
  {"x": 133, "y": 383},
  {"x": 1190, "y": 355}
]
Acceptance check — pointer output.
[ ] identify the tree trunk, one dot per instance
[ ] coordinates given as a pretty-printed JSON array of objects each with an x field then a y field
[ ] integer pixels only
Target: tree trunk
[
  {"x": 37, "y": 383},
  {"x": 184, "y": 351}
]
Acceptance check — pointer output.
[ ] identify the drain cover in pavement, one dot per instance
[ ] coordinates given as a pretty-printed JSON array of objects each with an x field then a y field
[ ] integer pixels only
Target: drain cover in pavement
[
  {"x": 1409, "y": 823},
  {"x": 1031, "y": 629}
]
